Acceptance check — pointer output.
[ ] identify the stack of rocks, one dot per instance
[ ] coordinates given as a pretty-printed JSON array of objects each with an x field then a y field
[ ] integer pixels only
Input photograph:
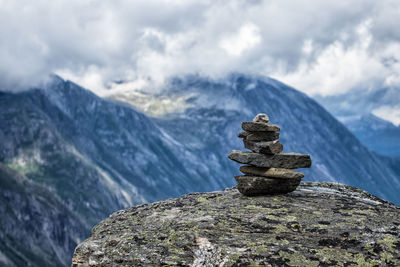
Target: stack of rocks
[{"x": 268, "y": 170}]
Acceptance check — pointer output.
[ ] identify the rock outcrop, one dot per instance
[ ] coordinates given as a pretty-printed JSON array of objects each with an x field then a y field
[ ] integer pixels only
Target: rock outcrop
[{"x": 319, "y": 224}]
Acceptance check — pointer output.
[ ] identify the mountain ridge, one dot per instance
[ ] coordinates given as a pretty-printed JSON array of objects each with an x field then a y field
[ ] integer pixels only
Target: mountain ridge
[
  {"x": 377, "y": 134},
  {"x": 98, "y": 156},
  {"x": 244, "y": 95}
]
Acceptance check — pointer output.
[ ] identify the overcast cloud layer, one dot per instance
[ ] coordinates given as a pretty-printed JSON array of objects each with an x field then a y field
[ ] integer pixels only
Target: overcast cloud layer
[{"x": 323, "y": 48}]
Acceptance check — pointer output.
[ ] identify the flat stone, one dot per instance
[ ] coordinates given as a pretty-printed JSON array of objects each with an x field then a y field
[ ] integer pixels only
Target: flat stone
[
  {"x": 258, "y": 185},
  {"x": 259, "y": 127},
  {"x": 282, "y": 160},
  {"x": 259, "y": 136},
  {"x": 271, "y": 172},
  {"x": 271, "y": 147},
  {"x": 243, "y": 134},
  {"x": 261, "y": 117}
]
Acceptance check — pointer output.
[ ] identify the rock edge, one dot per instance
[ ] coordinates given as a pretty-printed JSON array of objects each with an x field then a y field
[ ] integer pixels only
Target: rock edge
[{"x": 318, "y": 224}]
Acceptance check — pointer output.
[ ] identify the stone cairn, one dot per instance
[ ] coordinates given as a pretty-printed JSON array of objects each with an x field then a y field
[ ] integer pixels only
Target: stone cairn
[{"x": 268, "y": 170}]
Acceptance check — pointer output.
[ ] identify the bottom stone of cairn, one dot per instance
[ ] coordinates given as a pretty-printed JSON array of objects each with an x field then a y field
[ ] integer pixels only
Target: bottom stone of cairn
[{"x": 259, "y": 185}]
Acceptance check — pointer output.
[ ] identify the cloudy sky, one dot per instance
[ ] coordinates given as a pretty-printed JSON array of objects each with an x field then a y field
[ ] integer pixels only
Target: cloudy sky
[{"x": 327, "y": 49}]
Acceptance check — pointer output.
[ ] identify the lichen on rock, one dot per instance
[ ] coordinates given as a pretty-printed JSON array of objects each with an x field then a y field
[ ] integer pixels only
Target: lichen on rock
[{"x": 319, "y": 224}]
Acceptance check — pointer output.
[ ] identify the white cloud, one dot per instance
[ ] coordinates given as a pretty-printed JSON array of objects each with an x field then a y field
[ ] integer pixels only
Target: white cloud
[
  {"x": 389, "y": 113},
  {"x": 320, "y": 47},
  {"x": 338, "y": 67},
  {"x": 246, "y": 38}
]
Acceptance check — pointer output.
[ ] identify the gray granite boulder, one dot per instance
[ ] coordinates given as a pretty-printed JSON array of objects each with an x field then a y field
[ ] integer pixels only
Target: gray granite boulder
[{"x": 319, "y": 224}]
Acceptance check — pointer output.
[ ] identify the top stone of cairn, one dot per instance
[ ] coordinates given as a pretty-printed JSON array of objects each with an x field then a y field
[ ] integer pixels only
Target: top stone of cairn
[{"x": 261, "y": 117}]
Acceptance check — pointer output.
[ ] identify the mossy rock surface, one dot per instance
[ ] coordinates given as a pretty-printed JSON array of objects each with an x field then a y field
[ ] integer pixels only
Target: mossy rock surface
[{"x": 319, "y": 224}]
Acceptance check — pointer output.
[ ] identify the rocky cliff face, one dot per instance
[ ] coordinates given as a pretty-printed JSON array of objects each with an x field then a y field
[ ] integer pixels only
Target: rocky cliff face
[
  {"x": 34, "y": 224},
  {"x": 317, "y": 225}
]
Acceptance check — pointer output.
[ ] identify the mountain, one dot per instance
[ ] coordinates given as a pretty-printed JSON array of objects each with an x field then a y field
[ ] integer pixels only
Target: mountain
[
  {"x": 377, "y": 134},
  {"x": 36, "y": 228},
  {"x": 96, "y": 156},
  {"x": 211, "y": 111},
  {"x": 361, "y": 101},
  {"x": 319, "y": 224}
]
